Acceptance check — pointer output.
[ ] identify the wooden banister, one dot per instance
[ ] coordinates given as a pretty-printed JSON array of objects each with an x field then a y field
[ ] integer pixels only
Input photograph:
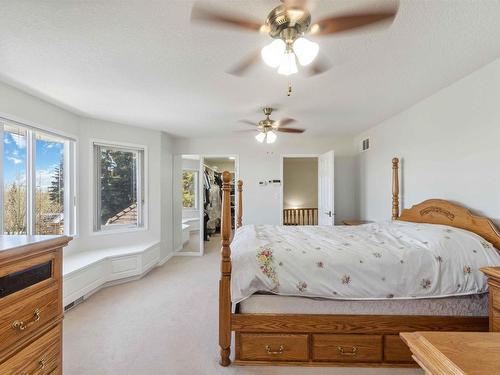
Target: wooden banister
[
  {"x": 225, "y": 279},
  {"x": 395, "y": 189},
  {"x": 300, "y": 216}
]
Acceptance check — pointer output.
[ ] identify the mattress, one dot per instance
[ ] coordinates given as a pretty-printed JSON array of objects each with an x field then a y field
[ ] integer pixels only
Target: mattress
[
  {"x": 471, "y": 305},
  {"x": 384, "y": 261}
]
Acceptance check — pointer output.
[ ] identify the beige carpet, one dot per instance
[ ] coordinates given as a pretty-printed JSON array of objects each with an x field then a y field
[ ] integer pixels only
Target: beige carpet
[{"x": 165, "y": 323}]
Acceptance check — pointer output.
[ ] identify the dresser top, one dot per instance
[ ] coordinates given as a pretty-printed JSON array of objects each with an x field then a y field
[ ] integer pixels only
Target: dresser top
[
  {"x": 471, "y": 353},
  {"x": 15, "y": 242}
]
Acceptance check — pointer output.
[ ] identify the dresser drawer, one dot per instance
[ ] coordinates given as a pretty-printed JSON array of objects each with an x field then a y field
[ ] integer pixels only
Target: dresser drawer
[
  {"x": 273, "y": 347},
  {"x": 40, "y": 357},
  {"x": 347, "y": 348},
  {"x": 24, "y": 276},
  {"x": 26, "y": 316}
]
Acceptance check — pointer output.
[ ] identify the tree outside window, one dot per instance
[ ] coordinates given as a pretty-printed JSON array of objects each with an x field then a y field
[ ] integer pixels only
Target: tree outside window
[
  {"x": 34, "y": 181},
  {"x": 119, "y": 187}
]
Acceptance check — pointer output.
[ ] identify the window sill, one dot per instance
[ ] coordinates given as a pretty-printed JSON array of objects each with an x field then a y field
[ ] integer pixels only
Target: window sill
[{"x": 118, "y": 231}]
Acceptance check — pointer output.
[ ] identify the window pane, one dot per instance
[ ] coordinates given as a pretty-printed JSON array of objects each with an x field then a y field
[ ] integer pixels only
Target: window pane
[
  {"x": 118, "y": 188},
  {"x": 189, "y": 189},
  {"x": 49, "y": 185},
  {"x": 14, "y": 180}
]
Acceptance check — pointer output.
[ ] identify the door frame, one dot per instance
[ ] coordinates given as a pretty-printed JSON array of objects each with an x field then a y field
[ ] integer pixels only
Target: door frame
[
  {"x": 283, "y": 157},
  {"x": 200, "y": 187}
]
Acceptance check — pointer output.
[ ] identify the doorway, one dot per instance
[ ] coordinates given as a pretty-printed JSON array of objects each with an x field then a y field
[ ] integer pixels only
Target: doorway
[
  {"x": 190, "y": 202},
  {"x": 300, "y": 190},
  {"x": 197, "y": 201},
  {"x": 308, "y": 189},
  {"x": 213, "y": 166}
]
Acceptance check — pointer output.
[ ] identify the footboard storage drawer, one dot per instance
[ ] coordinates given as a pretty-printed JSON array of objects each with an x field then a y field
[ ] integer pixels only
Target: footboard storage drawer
[
  {"x": 346, "y": 348},
  {"x": 273, "y": 347},
  {"x": 395, "y": 350},
  {"x": 40, "y": 357}
]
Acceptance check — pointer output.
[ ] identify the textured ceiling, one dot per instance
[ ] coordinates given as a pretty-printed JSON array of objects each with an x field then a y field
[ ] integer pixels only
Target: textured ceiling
[{"x": 142, "y": 62}]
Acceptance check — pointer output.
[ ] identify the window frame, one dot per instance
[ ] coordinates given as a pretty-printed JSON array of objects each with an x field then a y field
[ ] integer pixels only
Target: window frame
[
  {"x": 196, "y": 190},
  {"x": 142, "y": 188},
  {"x": 70, "y": 162}
]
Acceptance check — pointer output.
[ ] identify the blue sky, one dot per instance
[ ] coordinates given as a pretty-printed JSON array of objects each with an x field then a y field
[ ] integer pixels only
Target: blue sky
[{"x": 48, "y": 155}]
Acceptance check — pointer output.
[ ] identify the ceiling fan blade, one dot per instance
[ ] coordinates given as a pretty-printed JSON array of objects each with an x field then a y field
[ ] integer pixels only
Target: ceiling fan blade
[
  {"x": 335, "y": 25},
  {"x": 242, "y": 67},
  {"x": 286, "y": 121},
  {"x": 248, "y": 122},
  {"x": 201, "y": 13},
  {"x": 290, "y": 130}
]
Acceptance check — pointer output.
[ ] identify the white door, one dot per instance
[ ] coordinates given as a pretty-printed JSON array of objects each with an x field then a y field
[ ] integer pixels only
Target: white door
[{"x": 326, "y": 209}]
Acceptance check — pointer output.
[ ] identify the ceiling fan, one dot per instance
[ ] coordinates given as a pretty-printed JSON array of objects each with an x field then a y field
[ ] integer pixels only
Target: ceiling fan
[
  {"x": 288, "y": 24},
  {"x": 267, "y": 128}
]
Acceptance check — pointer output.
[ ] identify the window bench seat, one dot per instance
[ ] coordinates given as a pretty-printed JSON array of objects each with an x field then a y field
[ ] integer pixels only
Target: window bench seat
[{"x": 86, "y": 272}]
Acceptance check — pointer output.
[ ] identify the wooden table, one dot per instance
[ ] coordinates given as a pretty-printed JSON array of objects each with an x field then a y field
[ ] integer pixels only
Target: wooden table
[{"x": 455, "y": 353}]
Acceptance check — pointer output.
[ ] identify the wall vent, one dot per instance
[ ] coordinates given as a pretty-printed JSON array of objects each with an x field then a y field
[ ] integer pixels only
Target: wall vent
[
  {"x": 365, "y": 144},
  {"x": 69, "y": 306}
]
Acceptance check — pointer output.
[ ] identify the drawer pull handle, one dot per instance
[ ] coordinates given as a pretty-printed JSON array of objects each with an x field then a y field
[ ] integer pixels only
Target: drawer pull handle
[
  {"x": 20, "y": 325},
  {"x": 353, "y": 352},
  {"x": 41, "y": 366},
  {"x": 280, "y": 350}
]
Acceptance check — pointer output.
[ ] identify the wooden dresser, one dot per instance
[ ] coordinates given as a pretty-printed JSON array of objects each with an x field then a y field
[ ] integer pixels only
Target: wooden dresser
[
  {"x": 31, "y": 309},
  {"x": 455, "y": 353},
  {"x": 493, "y": 274}
]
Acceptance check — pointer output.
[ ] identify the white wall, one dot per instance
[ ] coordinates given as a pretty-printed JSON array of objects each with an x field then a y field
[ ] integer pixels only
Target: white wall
[
  {"x": 300, "y": 183},
  {"x": 166, "y": 191},
  {"x": 263, "y": 162},
  {"x": 450, "y": 148},
  {"x": 17, "y": 105}
]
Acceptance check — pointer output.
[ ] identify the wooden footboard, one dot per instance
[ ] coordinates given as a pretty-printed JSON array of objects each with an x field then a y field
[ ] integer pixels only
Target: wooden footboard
[{"x": 335, "y": 340}]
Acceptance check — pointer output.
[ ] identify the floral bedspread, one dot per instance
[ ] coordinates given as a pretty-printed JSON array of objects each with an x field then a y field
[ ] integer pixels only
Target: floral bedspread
[{"x": 373, "y": 261}]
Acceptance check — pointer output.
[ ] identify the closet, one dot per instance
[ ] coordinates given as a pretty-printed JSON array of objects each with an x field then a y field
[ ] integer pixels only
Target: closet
[{"x": 212, "y": 194}]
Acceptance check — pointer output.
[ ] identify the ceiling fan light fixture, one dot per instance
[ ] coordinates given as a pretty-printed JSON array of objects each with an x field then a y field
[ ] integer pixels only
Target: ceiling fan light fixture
[
  {"x": 271, "y": 137},
  {"x": 305, "y": 50},
  {"x": 260, "y": 137},
  {"x": 273, "y": 53},
  {"x": 288, "y": 65}
]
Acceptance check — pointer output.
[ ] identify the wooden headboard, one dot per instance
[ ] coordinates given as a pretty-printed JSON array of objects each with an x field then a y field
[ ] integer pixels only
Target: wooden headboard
[{"x": 440, "y": 211}]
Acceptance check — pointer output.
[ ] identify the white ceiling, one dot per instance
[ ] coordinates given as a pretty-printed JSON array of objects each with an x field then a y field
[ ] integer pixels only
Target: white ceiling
[{"x": 142, "y": 62}]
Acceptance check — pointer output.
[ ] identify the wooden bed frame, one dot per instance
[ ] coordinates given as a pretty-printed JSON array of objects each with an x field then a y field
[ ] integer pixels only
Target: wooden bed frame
[{"x": 336, "y": 340}]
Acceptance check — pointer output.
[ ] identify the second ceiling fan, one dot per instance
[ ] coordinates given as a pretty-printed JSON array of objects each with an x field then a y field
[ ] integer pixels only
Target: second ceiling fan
[
  {"x": 267, "y": 128},
  {"x": 288, "y": 24}
]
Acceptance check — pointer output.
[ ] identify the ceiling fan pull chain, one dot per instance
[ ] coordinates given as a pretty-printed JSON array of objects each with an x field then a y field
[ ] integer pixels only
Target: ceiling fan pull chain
[{"x": 289, "y": 88}]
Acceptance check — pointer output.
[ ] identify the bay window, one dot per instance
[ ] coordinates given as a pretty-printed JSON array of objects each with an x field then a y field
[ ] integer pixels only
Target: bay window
[
  {"x": 119, "y": 193},
  {"x": 38, "y": 179}
]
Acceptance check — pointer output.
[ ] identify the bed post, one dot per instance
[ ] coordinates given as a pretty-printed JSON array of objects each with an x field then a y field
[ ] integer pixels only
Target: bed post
[
  {"x": 395, "y": 189},
  {"x": 239, "y": 214},
  {"x": 225, "y": 279}
]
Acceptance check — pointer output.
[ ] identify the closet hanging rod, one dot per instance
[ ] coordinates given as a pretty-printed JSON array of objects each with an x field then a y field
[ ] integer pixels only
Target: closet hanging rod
[{"x": 212, "y": 169}]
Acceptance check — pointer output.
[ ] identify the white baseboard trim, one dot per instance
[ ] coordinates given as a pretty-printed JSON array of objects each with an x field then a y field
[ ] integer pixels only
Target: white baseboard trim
[{"x": 108, "y": 268}]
